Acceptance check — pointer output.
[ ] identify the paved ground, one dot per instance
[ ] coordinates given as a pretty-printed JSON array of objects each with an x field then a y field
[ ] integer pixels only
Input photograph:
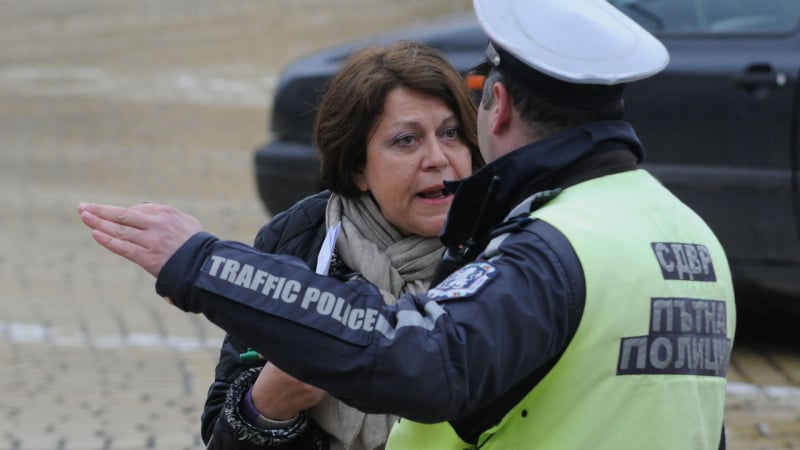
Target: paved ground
[{"x": 147, "y": 100}]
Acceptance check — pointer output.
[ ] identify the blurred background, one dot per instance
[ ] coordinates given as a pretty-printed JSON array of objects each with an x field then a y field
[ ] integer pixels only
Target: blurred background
[{"x": 130, "y": 101}]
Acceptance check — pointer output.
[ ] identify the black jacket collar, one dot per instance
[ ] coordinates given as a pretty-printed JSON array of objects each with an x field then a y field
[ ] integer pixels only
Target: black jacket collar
[{"x": 524, "y": 171}]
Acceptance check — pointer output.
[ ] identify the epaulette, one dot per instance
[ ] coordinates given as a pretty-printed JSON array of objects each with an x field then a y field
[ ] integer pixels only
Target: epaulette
[
  {"x": 517, "y": 220},
  {"x": 519, "y": 217}
]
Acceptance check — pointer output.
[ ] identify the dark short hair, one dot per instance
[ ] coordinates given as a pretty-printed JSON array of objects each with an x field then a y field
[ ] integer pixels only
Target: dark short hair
[
  {"x": 546, "y": 116},
  {"x": 355, "y": 97}
]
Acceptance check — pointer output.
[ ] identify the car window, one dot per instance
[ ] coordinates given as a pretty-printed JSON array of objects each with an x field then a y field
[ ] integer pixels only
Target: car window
[{"x": 713, "y": 16}]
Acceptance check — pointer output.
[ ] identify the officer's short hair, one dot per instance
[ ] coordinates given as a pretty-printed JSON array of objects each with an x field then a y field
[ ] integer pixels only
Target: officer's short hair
[{"x": 543, "y": 116}]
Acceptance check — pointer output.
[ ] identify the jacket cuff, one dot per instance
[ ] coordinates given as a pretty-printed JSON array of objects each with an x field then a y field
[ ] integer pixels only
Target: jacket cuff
[
  {"x": 245, "y": 431},
  {"x": 251, "y": 415},
  {"x": 176, "y": 279}
]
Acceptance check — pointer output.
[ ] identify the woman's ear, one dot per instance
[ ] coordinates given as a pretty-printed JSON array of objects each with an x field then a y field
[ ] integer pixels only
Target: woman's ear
[{"x": 360, "y": 180}]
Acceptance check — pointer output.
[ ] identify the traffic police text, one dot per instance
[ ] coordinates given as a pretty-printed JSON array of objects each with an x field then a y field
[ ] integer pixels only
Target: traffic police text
[{"x": 292, "y": 291}]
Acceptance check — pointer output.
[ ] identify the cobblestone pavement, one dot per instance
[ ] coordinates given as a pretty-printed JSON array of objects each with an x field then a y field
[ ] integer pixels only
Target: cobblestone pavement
[{"x": 147, "y": 100}]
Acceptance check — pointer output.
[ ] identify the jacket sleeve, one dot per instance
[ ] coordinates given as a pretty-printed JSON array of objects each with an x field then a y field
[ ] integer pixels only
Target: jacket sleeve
[
  {"x": 294, "y": 230},
  {"x": 428, "y": 358},
  {"x": 229, "y": 368},
  {"x": 233, "y": 432}
]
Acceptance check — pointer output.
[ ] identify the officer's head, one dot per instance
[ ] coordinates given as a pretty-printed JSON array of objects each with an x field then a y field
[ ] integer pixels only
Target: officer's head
[{"x": 556, "y": 64}]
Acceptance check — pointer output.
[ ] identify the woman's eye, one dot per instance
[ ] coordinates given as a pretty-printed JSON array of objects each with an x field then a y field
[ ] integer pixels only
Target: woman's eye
[
  {"x": 404, "y": 140},
  {"x": 451, "y": 133}
]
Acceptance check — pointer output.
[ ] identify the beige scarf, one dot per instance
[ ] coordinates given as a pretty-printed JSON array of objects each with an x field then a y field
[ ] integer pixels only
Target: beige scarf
[{"x": 397, "y": 264}]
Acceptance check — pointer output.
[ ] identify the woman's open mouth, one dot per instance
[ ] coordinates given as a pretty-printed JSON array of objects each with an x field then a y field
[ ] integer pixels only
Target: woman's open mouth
[{"x": 434, "y": 194}]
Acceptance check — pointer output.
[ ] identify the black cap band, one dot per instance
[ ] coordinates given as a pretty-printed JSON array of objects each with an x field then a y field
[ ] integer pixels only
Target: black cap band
[{"x": 553, "y": 90}]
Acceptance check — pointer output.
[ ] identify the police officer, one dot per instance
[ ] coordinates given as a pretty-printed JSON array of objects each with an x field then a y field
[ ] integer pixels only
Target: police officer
[{"x": 587, "y": 306}]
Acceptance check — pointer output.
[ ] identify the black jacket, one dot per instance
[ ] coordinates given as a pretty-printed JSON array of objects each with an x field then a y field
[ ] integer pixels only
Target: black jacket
[
  {"x": 420, "y": 337},
  {"x": 459, "y": 346},
  {"x": 298, "y": 231},
  {"x": 450, "y": 354}
]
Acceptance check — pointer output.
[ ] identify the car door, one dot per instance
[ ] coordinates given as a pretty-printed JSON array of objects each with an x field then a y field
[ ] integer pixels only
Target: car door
[{"x": 720, "y": 123}]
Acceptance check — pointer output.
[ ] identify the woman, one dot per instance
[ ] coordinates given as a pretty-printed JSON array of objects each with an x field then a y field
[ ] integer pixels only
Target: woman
[{"x": 394, "y": 123}]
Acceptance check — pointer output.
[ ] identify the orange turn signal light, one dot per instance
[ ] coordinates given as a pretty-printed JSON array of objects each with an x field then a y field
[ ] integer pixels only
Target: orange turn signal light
[{"x": 474, "y": 81}]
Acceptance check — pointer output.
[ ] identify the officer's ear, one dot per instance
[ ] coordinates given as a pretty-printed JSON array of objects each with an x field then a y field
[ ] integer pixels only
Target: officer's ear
[{"x": 502, "y": 108}]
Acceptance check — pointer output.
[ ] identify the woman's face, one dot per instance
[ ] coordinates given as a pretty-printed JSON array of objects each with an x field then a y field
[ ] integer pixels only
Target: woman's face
[{"x": 415, "y": 145}]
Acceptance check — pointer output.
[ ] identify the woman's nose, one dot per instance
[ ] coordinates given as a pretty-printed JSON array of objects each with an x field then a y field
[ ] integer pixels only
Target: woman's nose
[{"x": 435, "y": 156}]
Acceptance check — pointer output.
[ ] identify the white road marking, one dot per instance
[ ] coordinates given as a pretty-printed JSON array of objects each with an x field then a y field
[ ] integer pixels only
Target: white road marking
[
  {"x": 29, "y": 333},
  {"x": 232, "y": 86}
]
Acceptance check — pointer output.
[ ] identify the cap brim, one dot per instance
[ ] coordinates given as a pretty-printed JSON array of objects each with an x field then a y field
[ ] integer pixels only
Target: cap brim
[{"x": 481, "y": 68}]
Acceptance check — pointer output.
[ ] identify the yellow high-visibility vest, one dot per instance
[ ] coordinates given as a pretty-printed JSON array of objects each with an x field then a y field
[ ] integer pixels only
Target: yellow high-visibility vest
[{"x": 647, "y": 365}]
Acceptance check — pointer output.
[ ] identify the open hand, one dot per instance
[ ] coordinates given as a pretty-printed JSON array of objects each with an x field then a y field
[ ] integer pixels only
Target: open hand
[{"x": 146, "y": 234}]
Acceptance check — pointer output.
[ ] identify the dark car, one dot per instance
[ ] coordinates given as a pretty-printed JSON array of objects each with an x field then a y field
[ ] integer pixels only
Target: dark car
[{"x": 720, "y": 125}]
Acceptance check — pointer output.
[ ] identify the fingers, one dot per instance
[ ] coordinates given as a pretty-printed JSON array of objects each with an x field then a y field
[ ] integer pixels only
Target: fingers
[
  {"x": 112, "y": 234},
  {"x": 147, "y": 235},
  {"x": 124, "y": 216},
  {"x": 127, "y": 249},
  {"x": 121, "y": 247}
]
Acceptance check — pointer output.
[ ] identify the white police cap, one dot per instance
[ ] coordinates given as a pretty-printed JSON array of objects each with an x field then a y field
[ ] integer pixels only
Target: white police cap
[{"x": 583, "y": 42}]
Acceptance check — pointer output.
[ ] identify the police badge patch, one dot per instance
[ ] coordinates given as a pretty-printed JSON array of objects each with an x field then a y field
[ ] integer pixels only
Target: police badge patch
[{"x": 463, "y": 282}]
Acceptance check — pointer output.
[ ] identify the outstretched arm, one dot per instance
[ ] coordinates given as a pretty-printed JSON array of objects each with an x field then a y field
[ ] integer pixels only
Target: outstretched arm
[{"x": 429, "y": 357}]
